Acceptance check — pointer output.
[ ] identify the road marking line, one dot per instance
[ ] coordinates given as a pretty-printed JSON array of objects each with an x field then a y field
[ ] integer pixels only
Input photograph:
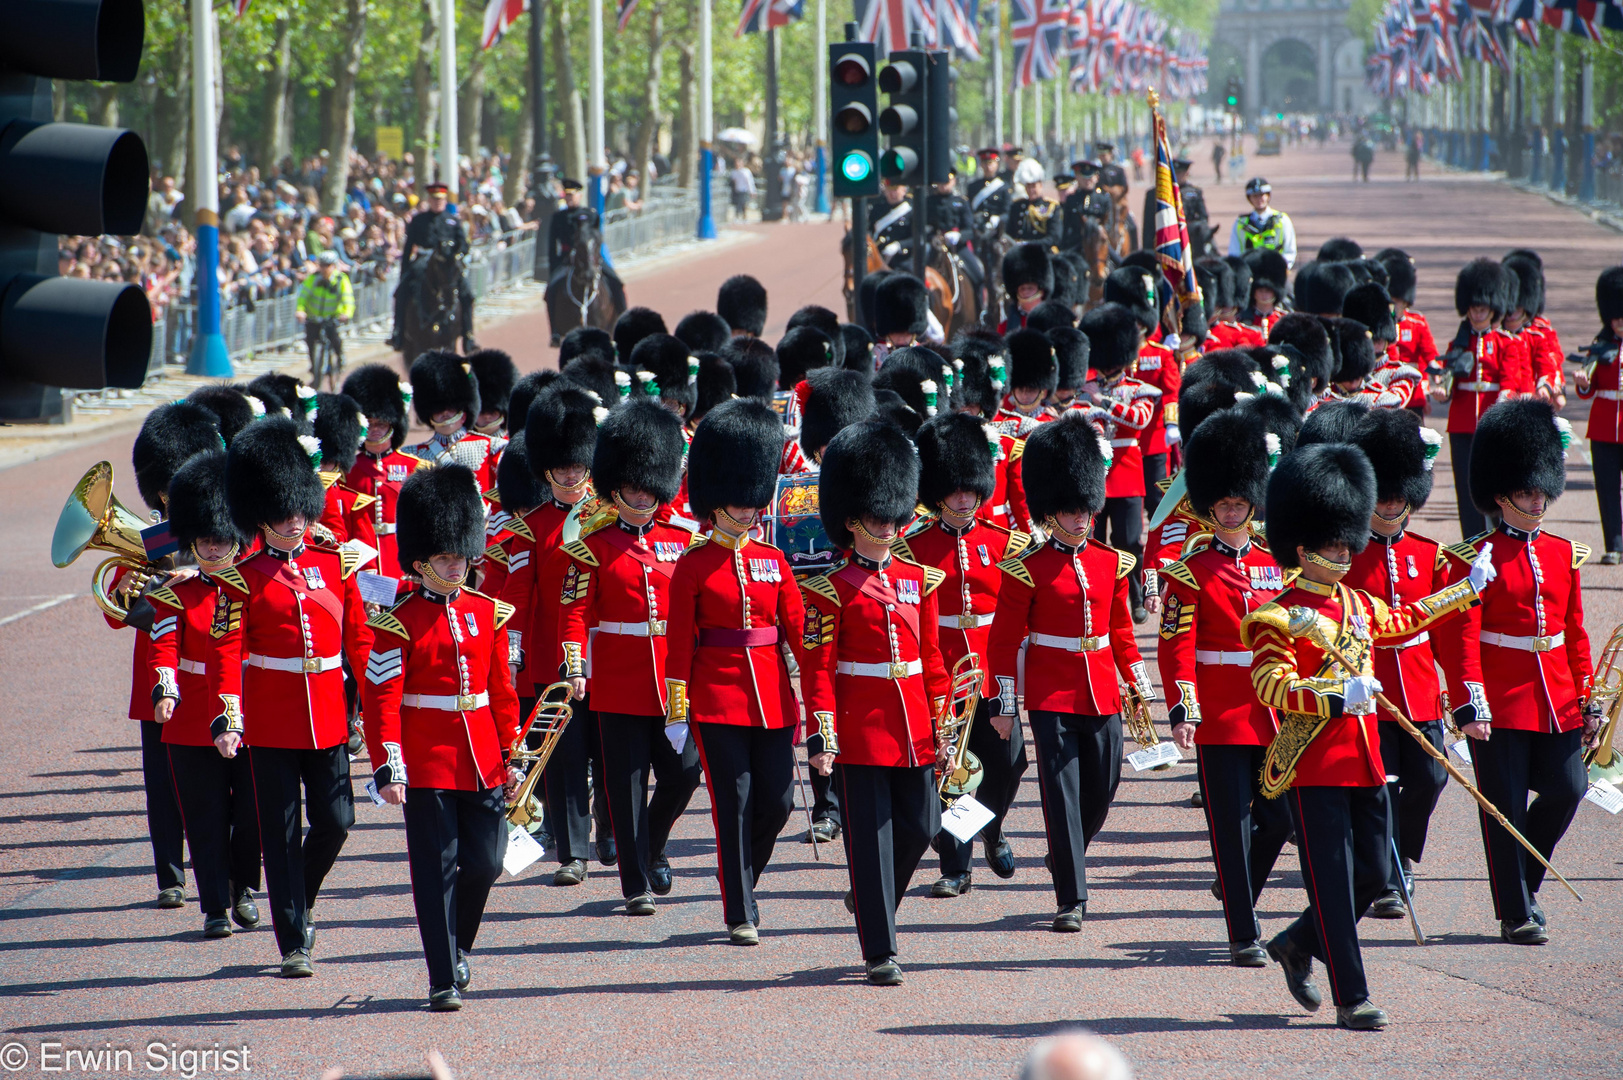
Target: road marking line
[{"x": 42, "y": 606}]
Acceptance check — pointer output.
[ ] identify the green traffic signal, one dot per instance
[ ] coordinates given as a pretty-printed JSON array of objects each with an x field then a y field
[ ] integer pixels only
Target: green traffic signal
[{"x": 856, "y": 166}]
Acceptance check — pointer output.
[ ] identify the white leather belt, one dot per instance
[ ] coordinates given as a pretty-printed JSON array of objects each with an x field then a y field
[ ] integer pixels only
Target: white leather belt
[
  {"x": 1071, "y": 644},
  {"x": 1609, "y": 395},
  {"x": 1242, "y": 658},
  {"x": 1363, "y": 708},
  {"x": 1121, "y": 443},
  {"x": 193, "y": 667},
  {"x": 1478, "y": 387},
  {"x": 651, "y": 628},
  {"x": 446, "y": 702},
  {"x": 1419, "y": 639},
  {"x": 965, "y": 621},
  {"x": 1004, "y": 510},
  {"x": 880, "y": 671},
  {"x": 386, "y": 529},
  {"x": 310, "y": 665},
  {"x": 1525, "y": 644}
]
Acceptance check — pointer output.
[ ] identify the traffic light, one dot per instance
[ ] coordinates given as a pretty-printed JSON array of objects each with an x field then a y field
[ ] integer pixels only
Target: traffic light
[
  {"x": 1232, "y": 92},
  {"x": 74, "y": 179},
  {"x": 904, "y": 80},
  {"x": 853, "y": 104},
  {"x": 939, "y": 115}
]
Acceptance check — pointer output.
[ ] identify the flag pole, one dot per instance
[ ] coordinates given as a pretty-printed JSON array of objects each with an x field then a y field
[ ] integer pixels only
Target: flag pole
[
  {"x": 448, "y": 154},
  {"x": 209, "y": 355},
  {"x": 820, "y": 104},
  {"x": 707, "y": 128}
]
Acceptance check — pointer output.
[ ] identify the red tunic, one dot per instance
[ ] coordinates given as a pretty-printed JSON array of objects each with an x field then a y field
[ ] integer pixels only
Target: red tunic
[
  {"x": 532, "y": 633},
  {"x": 1265, "y": 323},
  {"x": 1076, "y": 598},
  {"x": 1502, "y": 371},
  {"x": 967, "y": 598},
  {"x": 1130, "y": 407},
  {"x": 1233, "y": 335},
  {"x": 1165, "y": 542},
  {"x": 1545, "y": 355},
  {"x": 1415, "y": 348},
  {"x": 381, "y": 478},
  {"x": 1157, "y": 366},
  {"x": 193, "y": 617},
  {"x": 437, "y": 701},
  {"x": 1007, "y": 506},
  {"x": 729, "y": 611},
  {"x": 140, "y": 661},
  {"x": 465, "y": 448},
  {"x": 346, "y": 514},
  {"x": 1605, "y": 418}
]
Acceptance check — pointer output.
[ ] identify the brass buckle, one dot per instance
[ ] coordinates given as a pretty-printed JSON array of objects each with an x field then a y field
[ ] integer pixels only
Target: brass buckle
[
  {"x": 466, "y": 702},
  {"x": 656, "y": 627},
  {"x": 1086, "y": 644},
  {"x": 1543, "y": 644},
  {"x": 969, "y": 621},
  {"x": 898, "y": 671},
  {"x": 312, "y": 665}
]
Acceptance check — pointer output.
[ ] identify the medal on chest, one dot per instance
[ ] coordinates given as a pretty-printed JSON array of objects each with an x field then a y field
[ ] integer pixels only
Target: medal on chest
[
  {"x": 1266, "y": 578},
  {"x": 1414, "y": 571},
  {"x": 312, "y": 577},
  {"x": 907, "y": 592},
  {"x": 473, "y": 623},
  {"x": 668, "y": 550},
  {"x": 986, "y": 556},
  {"x": 765, "y": 570}
]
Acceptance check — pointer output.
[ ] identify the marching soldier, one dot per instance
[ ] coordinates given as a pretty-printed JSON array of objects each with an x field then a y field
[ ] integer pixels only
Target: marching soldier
[
  {"x": 1327, "y": 752},
  {"x": 957, "y": 475},
  {"x": 873, "y": 680},
  {"x": 1069, "y": 597},
  {"x": 1028, "y": 280},
  {"x": 495, "y": 374},
  {"x": 1206, "y": 668},
  {"x": 445, "y": 395},
  {"x": 1155, "y": 365},
  {"x": 1599, "y": 379},
  {"x": 1033, "y": 376},
  {"x": 733, "y": 601},
  {"x": 893, "y": 229},
  {"x": 1535, "y": 656},
  {"x": 441, "y": 717},
  {"x": 1226, "y": 298},
  {"x": 617, "y": 581},
  {"x": 979, "y": 392},
  {"x": 1268, "y": 273},
  {"x": 1264, "y": 227},
  {"x": 281, "y": 683},
  {"x": 989, "y": 196},
  {"x": 380, "y": 468},
  {"x": 1415, "y": 346},
  {"x": 340, "y": 428},
  {"x": 214, "y": 789},
  {"x": 1526, "y": 320},
  {"x": 901, "y": 311}
]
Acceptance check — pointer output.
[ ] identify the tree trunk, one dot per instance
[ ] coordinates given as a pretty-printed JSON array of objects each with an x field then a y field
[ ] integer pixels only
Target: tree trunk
[
  {"x": 106, "y": 113},
  {"x": 685, "y": 134},
  {"x": 426, "y": 116},
  {"x": 470, "y": 106},
  {"x": 516, "y": 182},
  {"x": 174, "y": 109},
  {"x": 276, "y": 143},
  {"x": 648, "y": 131},
  {"x": 575, "y": 107},
  {"x": 346, "y": 67}
]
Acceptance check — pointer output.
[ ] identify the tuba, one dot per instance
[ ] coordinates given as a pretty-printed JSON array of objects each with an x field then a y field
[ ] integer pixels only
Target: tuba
[
  {"x": 94, "y": 518},
  {"x": 1605, "y": 762},
  {"x": 535, "y": 743},
  {"x": 963, "y": 772}
]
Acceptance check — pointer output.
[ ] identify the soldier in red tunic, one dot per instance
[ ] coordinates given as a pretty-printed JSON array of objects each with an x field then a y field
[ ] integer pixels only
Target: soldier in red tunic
[
  {"x": 341, "y": 427},
  {"x": 445, "y": 396},
  {"x": 1231, "y": 290},
  {"x": 302, "y": 617},
  {"x": 873, "y": 680},
  {"x": 978, "y": 391},
  {"x": 733, "y": 601},
  {"x": 1414, "y": 346},
  {"x": 380, "y": 468},
  {"x": 1033, "y": 377},
  {"x": 1268, "y": 273},
  {"x": 496, "y": 375},
  {"x": 441, "y": 717},
  {"x": 1526, "y": 320},
  {"x": 956, "y": 475},
  {"x": 1535, "y": 656},
  {"x": 1069, "y": 598},
  {"x": 1151, "y": 364},
  {"x": 1326, "y": 756},
  {"x": 617, "y": 582},
  {"x": 1598, "y": 379},
  {"x": 195, "y": 613}
]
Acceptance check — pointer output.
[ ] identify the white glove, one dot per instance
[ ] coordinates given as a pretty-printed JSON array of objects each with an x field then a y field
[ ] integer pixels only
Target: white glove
[
  {"x": 1361, "y": 689},
  {"x": 993, "y": 222},
  {"x": 892, "y": 248},
  {"x": 1173, "y": 435},
  {"x": 1482, "y": 568},
  {"x": 952, "y": 237},
  {"x": 677, "y": 735}
]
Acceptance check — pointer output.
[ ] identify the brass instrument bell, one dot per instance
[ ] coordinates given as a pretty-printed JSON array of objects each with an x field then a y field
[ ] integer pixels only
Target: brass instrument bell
[{"x": 94, "y": 518}]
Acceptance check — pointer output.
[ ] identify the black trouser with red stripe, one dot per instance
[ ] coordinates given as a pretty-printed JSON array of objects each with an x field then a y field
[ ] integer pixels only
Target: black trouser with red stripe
[
  {"x": 455, "y": 843},
  {"x": 216, "y": 798},
  {"x": 1003, "y": 763},
  {"x": 1343, "y": 839},
  {"x": 750, "y": 772},
  {"x": 1414, "y": 782},
  {"x": 163, "y": 809},
  {"x": 1509, "y": 766},
  {"x": 1606, "y": 463},
  {"x": 1459, "y": 452},
  {"x": 1078, "y": 771},
  {"x": 890, "y": 816},
  {"x": 296, "y": 862},
  {"x": 1155, "y": 470},
  {"x": 1246, "y": 829},
  {"x": 634, "y": 746},
  {"x": 570, "y": 794}
]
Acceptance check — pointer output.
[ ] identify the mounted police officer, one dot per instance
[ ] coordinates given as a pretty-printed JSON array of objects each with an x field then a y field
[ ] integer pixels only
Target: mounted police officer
[
  {"x": 893, "y": 229},
  {"x": 1264, "y": 227},
  {"x": 989, "y": 194},
  {"x": 428, "y": 228},
  {"x": 1084, "y": 200},
  {"x": 951, "y": 218},
  {"x": 563, "y": 228}
]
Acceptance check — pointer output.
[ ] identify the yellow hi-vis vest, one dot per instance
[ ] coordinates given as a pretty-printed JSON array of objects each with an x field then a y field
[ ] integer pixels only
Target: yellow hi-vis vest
[{"x": 1270, "y": 235}]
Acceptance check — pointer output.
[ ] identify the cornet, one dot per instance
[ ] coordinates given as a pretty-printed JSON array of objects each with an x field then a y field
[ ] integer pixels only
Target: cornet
[
  {"x": 94, "y": 518},
  {"x": 1604, "y": 762},
  {"x": 547, "y": 721},
  {"x": 1140, "y": 723},
  {"x": 962, "y": 774}
]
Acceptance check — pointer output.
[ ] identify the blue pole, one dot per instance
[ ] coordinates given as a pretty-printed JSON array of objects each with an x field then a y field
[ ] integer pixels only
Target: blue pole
[
  {"x": 1487, "y": 152},
  {"x": 1586, "y": 182},
  {"x": 1538, "y": 156},
  {"x": 600, "y": 183},
  {"x": 208, "y": 356},
  {"x": 707, "y": 216},
  {"x": 1558, "y": 160},
  {"x": 822, "y": 180}
]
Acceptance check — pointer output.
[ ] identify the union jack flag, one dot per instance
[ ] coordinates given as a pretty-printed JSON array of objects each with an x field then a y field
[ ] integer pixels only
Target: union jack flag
[
  {"x": 961, "y": 18},
  {"x": 890, "y": 23},
  {"x": 1173, "y": 251},
  {"x": 499, "y": 15},
  {"x": 1038, "y": 29},
  {"x": 625, "y": 8}
]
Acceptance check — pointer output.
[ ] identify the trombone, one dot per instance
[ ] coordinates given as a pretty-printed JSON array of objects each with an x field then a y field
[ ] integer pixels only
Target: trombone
[
  {"x": 1604, "y": 761},
  {"x": 94, "y": 518},
  {"x": 962, "y": 775},
  {"x": 533, "y": 747}
]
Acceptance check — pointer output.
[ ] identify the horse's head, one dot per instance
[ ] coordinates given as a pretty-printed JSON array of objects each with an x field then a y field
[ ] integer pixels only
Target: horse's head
[{"x": 586, "y": 253}]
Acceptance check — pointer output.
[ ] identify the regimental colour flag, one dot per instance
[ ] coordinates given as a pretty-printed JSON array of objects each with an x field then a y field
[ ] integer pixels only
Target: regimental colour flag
[{"x": 1173, "y": 251}]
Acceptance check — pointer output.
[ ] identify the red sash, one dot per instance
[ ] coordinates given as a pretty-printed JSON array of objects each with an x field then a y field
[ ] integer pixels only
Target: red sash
[
  {"x": 621, "y": 540},
  {"x": 325, "y": 598},
  {"x": 868, "y": 584}
]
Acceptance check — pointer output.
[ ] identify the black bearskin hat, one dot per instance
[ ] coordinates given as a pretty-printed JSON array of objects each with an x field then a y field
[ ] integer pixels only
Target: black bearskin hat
[
  {"x": 856, "y": 345},
  {"x": 1275, "y": 414},
  {"x": 197, "y": 506},
  {"x": 1071, "y": 351},
  {"x": 1235, "y": 369},
  {"x": 377, "y": 389},
  {"x": 892, "y": 408},
  {"x": 1113, "y": 335},
  {"x": 270, "y": 476},
  {"x": 1032, "y": 365},
  {"x": 1334, "y": 422},
  {"x": 561, "y": 429},
  {"x": 667, "y": 358},
  {"x": 1322, "y": 288},
  {"x": 1529, "y": 277},
  {"x": 169, "y": 435},
  {"x": 1319, "y": 495},
  {"x": 1400, "y": 275},
  {"x": 865, "y": 296},
  {"x": 978, "y": 384},
  {"x": 631, "y": 327},
  {"x": 1268, "y": 270},
  {"x": 233, "y": 408},
  {"x": 1609, "y": 295},
  {"x": 837, "y": 398},
  {"x": 1197, "y": 402},
  {"x": 755, "y": 367},
  {"x": 585, "y": 341},
  {"x": 703, "y": 331},
  {"x": 803, "y": 349},
  {"x": 1376, "y": 271},
  {"x": 741, "y": 300},
  {"x": 1354, "y": 349},
  {"x": 442, "y": 381},
  {"x": 516, "y": 485},
  {"x": 284, "y": 392},
  {"x": 1028, "y": 264},
  {"x": 1242, "y": 279},
  {"x": 1064, "y": 467},
  {"x": 640, "y": 445},
  {"x": 1070, "y": 280},
  {"x": 901, "y": 306},
  {"x": 1308, "y": 336},
  {"x": 954, "y": 455},
  {"x": 525, "y": 391},
  {"x": 496, "y": 374},
  {"x": 1340, "y": 249},
  {"x": 1480, "y": 281},
  {"x": 1360, "y": 271},
  {"x": 1395, "y": 442},
  {"x": 733, "y": 459},
  {"x": 1133, "y": 289},
  {"x": 716, "y": 383},
  {"x": 1371, "y": 305},
  {"x": 1221, "y": 293},
  {"x": 820, "y": 318},
  {"x": 908, "y": 383},
  {"x": 596, "y": 376},
  {"x": 439, "y": 513},
  {"x": 1050, "y": 314},
  {"x": 1517, "y": 447},
  {"x": 341, "y": 426},
  {"x": 869, "y": 469},
  {"x": 1226, "y": 457}
]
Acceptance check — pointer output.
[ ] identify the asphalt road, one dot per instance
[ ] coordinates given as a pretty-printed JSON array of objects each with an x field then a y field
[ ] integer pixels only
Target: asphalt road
[{"x": 567, "y": 986}]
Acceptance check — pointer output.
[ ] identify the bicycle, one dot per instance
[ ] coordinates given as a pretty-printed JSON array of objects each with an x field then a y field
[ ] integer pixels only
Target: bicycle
[{"x": 326, "y": 356}]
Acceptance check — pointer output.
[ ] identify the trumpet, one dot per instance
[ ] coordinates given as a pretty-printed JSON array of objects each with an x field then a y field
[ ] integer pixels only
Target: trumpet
[
  {"x": 963, "y": 772},
  {"x": 94, "y": 518},
  {"x": 547, "y": 721},
  {"x": 1604, "y": 762},
  {"x": 1140, "y": 722}
]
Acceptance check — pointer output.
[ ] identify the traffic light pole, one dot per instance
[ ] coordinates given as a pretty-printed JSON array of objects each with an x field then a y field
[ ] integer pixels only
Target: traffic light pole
[
  {"x": 859, "y": 256},
  {"x": 209, "y": 356},
  {"x": 772, "y": 159}
]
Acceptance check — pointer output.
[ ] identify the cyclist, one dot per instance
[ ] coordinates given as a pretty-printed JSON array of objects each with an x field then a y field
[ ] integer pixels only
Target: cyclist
[{"x": 325, "y": 300}]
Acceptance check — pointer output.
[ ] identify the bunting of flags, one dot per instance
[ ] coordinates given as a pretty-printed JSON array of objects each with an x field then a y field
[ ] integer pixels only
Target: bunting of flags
[
  {"x": 890, "y": 24},
  {"x": 1173, "y": 250},
  {"x": 1038, "y": 29},
  {"x": 499, "y": 15},
  {"x": 757, "y": 16},
  {"x": 1118, "y": 47}
]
